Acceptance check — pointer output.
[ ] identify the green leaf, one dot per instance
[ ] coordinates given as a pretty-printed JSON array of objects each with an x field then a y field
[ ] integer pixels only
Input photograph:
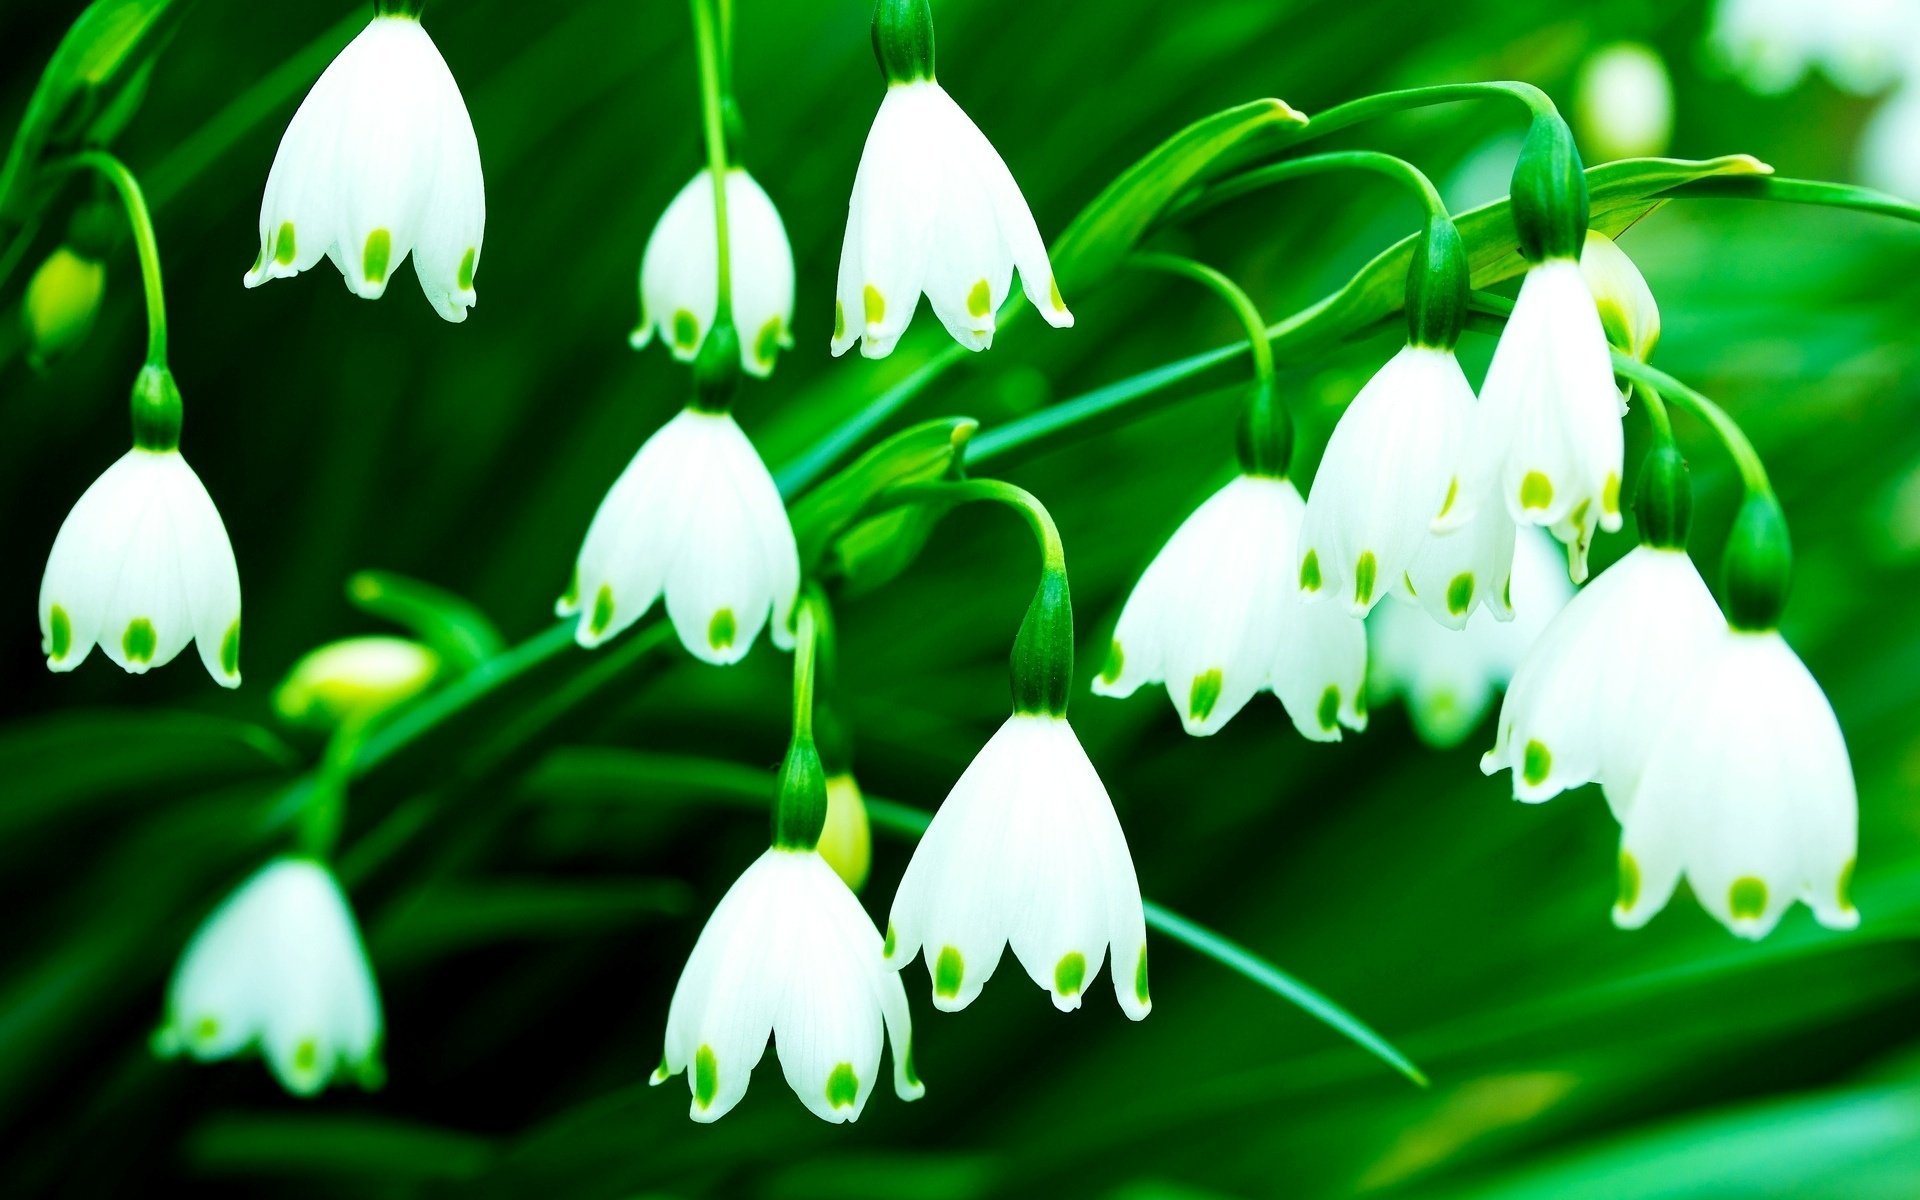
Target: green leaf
[
  {"x": 450, "y": 917},
  {"x": 89, "y": 90},
  {"x": 924, "y": 452},
  {"x": 1108, "y": 228},
  {"x": 1798, "y": 191},
  {"x": 392, "y": 1152},
  {"x": 453, "y": 627}
]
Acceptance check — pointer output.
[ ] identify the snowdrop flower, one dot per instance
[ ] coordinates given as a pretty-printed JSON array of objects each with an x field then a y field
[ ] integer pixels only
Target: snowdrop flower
[
  {"x": 1629, "y": 315},
  {"x": 1748, "y": 791},
  {"x": 680, "y": 271},
  {"x": 1449, "y": 676},
  {"x": 279, "y": 968},
  {"x": 1388, "y": 473},
  {"x": 1027, "y": 851},
  {"x": 1625, "y": 101},
  {"x": 695, "y": 516},
  {"x": 1218, "y": 617},
  {"x": 1772, "y": 44},
  {"x": 141, "y": 567},
  {"x": 789, "y": 953},
  {"x": 379, "y": 162},
  {"x": 934, "y": 210}
]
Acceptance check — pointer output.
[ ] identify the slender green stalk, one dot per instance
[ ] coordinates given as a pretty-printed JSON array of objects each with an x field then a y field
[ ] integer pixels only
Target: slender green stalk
[
  {"x": 714, "y": 121},
  {"x": 1797, "y": 191},
  {"x": 148, "y": 246},
  {"x": 806, "y": 654},
  {"x": 1399, "y": 170},
  {"x": 1224, "y": 287},
  {"x": 1340, "y": 116},
  {"x": 1052, "y": 551},
  {"x": 325, "y": 805}
]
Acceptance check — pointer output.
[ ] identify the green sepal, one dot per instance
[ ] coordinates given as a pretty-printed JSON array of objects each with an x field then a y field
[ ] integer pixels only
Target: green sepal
[
  {"x": 156, "y": 409},
  {"x": 1042, "y": 663},
  {"x": 1758, "y": 567},
  {"x": 716, "y": 369},
  {"x": 1663, "y": 503},
  {"x": 903, "y": 40},
  {"x": 1263, "y": 436},
  {"x": 800, "y": 812},
  {"x": 1438, "y": 282},
  {"x": 1550, "y": 192}
]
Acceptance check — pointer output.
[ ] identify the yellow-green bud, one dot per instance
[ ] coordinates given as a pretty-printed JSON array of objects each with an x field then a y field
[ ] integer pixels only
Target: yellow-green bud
[
  {"x": 846, "y": 841},
  {"x": 61, "y": 302},
  {"x": 354, "y": 680},
  {"x": 1628, "y": 311}
]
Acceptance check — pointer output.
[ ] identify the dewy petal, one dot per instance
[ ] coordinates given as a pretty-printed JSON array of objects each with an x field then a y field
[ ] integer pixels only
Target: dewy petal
[
  {"x": 678, "y": 274},
  {"x": 141, "y": 567},
  {"x": 1388, "y": 472}
]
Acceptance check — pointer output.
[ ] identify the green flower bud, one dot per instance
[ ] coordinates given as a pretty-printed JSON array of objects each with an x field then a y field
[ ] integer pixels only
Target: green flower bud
[
  {"x": 1758, "y": 567},
  {"x": 156, "y": 409},
  {"x": 801, "y": 810},
  {"x": 354, "y": 679},
  {"x": 1042, "y": 665},
  {"x": 846, "y": 840},
  {"x": 1263, "y": 437},
  {"x": 61, "y": 302},
  {"x": 1663, "y": 505},
  {"x": 1550, "y": 192},
  {"x": 1438, "y": 280},
  {"x": 903, "y": 40},
  {"x": 716, "y": 371}
]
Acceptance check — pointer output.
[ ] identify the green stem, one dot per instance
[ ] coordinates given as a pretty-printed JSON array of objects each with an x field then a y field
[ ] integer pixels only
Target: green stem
[
  {"x": 1796, "y": 191},
  {"x": 1053, "y": 552},
  {"x": 326, "y": 804},
  {"x": 1391, "y": 167},
  {"x": 116, "y": 173},
  {"x": 714, "y": 121},
  {"x": 806, "y": 656},
  {"x": 1340, "y": 116},
  {"x": 1235, "y": 296}
]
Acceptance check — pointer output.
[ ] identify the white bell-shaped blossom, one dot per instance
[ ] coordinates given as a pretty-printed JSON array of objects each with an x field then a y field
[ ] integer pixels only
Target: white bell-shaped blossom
[
  {"x": 1390, "y": 469},
  {"x": 379, "y": 162},
  {"x": 695, "y": 516},
  {"x": 680, "y": 272},
  {"x": 279, "y": 968},
  {"x": 1466, "y": 564},
  {"x": 141, "y": 567},
  {"x": 934, "y": 210},
  {"x": 1549, "y": 436},
  {"x": 1747, "y": 791},
  {"x": 788, "y": 953},
  {"x": 1218, "y": 617},
  {"x": 1600, "y": 682},
  {"x": 1450, "y": 676},
  {"x": 1027, "y": 851}
]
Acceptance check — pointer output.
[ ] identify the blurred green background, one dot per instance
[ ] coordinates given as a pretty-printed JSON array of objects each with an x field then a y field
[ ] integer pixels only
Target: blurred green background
[{"x": 528, "y": 927}]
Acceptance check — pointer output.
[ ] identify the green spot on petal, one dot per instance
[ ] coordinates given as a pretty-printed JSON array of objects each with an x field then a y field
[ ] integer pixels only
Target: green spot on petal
[
  {"x": 1364, "y": 572},
  {"x": 1070, "y": 973},
  {"x": 1406, "y": 578},
  {"x": 906, "y": 1064},
  {"x": 980, "y": 299},
  {"x": 206, "y": 1029},
  {"x": 1205, "y": 694},
  {"x": 721, "y": 630},
  {"x": 843, "y": 1088},
  {"x": 1310, "y": 572},
  {"x": 686, "y": 330},
  {"x": 1140, "y": 977},
  {"x": 306, "y": 1057},
  {"x": 892, "y": 943},
  {"x": 706, "y": 1077},
  {"x": 139, "y": 641},
  {"x": 467, "y": 263},
  {"x": 230, "y": 649},
  {"x": 285, "y": 249},
  {"x": 1460, "y": 594},
  {"x": 1578, "y": 517},
  {"x": 373, "y": 260},
  {"x": 59, "y": 632},
  {"x": 1116, "y": 663},
  {"x": 766, "y": 344},
  {"x": 1843, "y": 890},
  {"x": 1506, "y": 592},
  {"x": 839, "y": 320},
  {"x": 1610, "y": 495},
  {"x": 1329, "y": 712},
  {"x": 1629, "y": 882},
  {"x": 947, "y": 972},
  {"x": 1535, "y": 763},
  {"x": 571, "y": 599},
  {"x": 1053, "y": 293},
  {"x": 602, "y": 610},
  {"x": 1536, "y": 490},
  {"x": 1747, "y": 898},
  {"x": 1453, "y": 494},
  {"x": 876, "y": 305}
]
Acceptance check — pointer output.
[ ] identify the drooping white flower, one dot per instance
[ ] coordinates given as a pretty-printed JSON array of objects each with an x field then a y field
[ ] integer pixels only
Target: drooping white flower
[
  {"x": 1628, "y": 312},
  {"x": 1772, "y": 44},
  {"x": 1600, "y": 682},
  {"x": 1449, "y": 676},
  {"x": 1026, "y": 850},
  {"x": 1389, "y": 470},
  {"x": 1624, "y": 102},
  {"x": 379, "y": 162},
  {"x": 1748, "y": 791},
  {"x": 141, "y": 567},
  {"x": 279, "y": 968},
  {"x": 789, "y": 953},
  {"x": 695, "y": 515},
  {"x": 1549, "y": 435},
  {"x": 1467, "y": 562},
  {"x": 934, "y": 210},
  {"x": 1218, "y": 617},
  {"x": 679, "y": 274}
]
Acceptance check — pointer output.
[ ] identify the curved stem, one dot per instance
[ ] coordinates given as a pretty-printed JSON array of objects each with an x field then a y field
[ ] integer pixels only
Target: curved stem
[
  {"x": 1390, "y": 166},
  {"x": 1340, "y": 116},
  {"x": 713, "y": 120},
  {"x": 1052, "y": 551},
  {"x": 116, "y": 173},
  {"x": 1229, "y": 291}
]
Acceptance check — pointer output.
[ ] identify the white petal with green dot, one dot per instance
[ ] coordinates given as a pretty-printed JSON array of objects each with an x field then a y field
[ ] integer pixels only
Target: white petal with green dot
[
  {"x": 141, "y": 567},
  {"x": 680, "y": 269},
  {"x": 1628, "y": 312},
  {"x": 1748, "y": 791},
  {"x": 1599, "y": 682},
  {"x": 934, "y": 210},
  {"x": 1467, "y": 564},
  {"x": 379, "y": 163},
  {"x": 695, "y": 516},
  {"x": 1389, "y": 470},
  {"x": 1026, "y": 852},
  {"x": 788, "y": 954},
  {"x": 279, "y": 968}
]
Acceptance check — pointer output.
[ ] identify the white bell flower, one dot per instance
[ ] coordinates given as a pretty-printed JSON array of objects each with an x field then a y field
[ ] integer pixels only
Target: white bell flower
[
  {"x": 1389, "y": 471},
  {"x": 789, "y": 953},
  {"x": 1600, "y": 682},
  {"x": 1748, "y": 791},
  {"x": 696, "y": 516},
  {"x": 1218, "y": 617},
  {"x": 1549, "y": 436},
  {"x": 1025, "y": 850},
  {"x": 679, "y": 274},
  {"x": 1450, "y": 676},
  {"x": 379, "y": 162},
  {"x": 279, "y": 968},
  {"x": 934, "y": 210},
  {"x": 1466, "y": 564},
  {"x": 141, "y": 567}
]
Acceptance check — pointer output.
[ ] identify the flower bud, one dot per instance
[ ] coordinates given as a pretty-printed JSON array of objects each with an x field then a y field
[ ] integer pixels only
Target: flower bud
[
  {"x": 61, "y": 302},
  {"x": 354, "y": 679},
  {"x": 1758, "y": 566},
  {"x": 1437, "y": 283},
  {"x": 1550, "y": 192},
  {"x": 156, "y": 409},
  {"x": 903, "y": 40},
  {"x": 846, "y": 841},
  {"x": 1628, "y": 311},
  {"x": 1042, "y": 666},
  {"x": 1263, "y": 437},
  {"x": 1663, "y": 505},
  {"x": 800, "y": 812}
]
